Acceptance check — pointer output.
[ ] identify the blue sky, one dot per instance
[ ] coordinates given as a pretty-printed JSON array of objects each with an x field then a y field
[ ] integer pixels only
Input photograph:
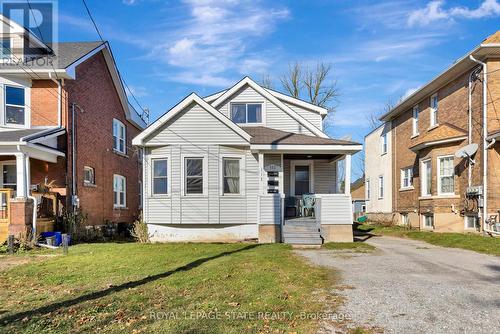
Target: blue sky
[{"x": 379, "y": 51}]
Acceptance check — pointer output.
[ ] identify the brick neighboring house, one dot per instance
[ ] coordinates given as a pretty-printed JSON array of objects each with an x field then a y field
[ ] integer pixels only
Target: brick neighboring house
[
  {"x": 36, "y": 135},
  {"x": 430, "y": 182}
]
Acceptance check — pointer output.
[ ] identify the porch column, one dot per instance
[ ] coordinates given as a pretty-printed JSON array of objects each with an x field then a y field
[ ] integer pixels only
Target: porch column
[
  {"x": 261, "y": 172},
  {"x": 347, "y": 171},
  {"x": 21, "y": 177}
]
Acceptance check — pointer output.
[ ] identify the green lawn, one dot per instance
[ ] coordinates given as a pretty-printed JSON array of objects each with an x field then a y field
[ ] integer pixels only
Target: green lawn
[
  {"x": 167, "y": 288},
  {"x": 357, "y": 247},
  {"x": 474, "y": 242}
]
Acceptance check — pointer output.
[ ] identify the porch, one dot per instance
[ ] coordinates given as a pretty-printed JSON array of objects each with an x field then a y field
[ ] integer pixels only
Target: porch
[{"x": 29, "y": 198}]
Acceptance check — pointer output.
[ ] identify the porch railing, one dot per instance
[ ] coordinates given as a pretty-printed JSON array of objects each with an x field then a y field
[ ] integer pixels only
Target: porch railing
[{"x": 5, "y": 196}]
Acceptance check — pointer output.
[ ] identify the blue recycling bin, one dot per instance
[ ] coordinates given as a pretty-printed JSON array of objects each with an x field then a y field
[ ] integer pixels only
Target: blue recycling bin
[{"x": 57, "y": 235}]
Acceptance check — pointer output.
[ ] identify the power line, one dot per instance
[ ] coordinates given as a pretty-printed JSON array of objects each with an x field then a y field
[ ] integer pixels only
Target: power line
[{"x": 92, "y": 19}]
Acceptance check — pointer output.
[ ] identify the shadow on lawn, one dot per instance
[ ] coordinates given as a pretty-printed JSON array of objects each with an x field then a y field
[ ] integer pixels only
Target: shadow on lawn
[{"x": 99, "y": 294}]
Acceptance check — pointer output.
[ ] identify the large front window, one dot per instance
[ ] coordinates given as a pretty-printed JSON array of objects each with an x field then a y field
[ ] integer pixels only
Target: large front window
[
  {"x": 193, "y": 169},
  {"x": 119, "y": 136},
  {"x": 119, "y": 191},
  {"x": 446, "y": 176},
  {"x": 246, "y": 112},
  {"x": 14, "y": 105},
  {"x": 302, "y": 180}
]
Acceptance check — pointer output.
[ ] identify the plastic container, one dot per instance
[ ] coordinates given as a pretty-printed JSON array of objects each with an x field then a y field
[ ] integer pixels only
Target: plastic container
[
  {"x": 57, "y": 237},
  {"x": 51, "y": 241}
]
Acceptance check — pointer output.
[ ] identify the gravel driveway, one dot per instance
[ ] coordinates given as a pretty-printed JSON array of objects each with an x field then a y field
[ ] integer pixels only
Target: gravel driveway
[{"x": 409, "y": 286}]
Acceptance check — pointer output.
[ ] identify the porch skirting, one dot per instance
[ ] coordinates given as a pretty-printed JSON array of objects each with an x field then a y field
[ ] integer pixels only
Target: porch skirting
[
  {"x": 337, "y": 233},
  {"x": 270, "y": 233},
  {"x": 202, "y": 232}
]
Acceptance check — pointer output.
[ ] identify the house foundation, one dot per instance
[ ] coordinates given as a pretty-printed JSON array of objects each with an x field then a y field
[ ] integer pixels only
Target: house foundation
[{"x": 337, "y": 233}]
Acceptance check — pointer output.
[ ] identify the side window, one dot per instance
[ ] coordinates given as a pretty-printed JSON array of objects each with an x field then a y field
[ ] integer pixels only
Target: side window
[
  {"x": 14, "y": 106},
  {"x": 160, "y": 176},
  {"x": 434, "y": 109},
  {"x": 119, "y": 191},
  {"x": 88, "y": 175},
  {"x": 119, "y": 136},
  {"x": 193, "y": 176},
  {"x": 231, "y": 176}
]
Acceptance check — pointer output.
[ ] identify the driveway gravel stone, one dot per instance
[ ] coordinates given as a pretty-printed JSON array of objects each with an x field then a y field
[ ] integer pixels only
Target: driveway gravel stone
[{"x": 409, "y": 286}]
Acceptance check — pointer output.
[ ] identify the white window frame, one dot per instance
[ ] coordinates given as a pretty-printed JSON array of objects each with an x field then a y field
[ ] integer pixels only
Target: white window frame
[
  {"x": 381, "y": 187},
  {"x": 426, "y": 191},
  {"x": 5, "y": 163},
  {"x": 242, "y": 160},
  {"x": 404, "y": 177},
  {"x": 367, "y": 189},
  {"x": 424, "y": 226},
  {"x": 151, "y": 160},
  {"x": 246, "y": 103},
  {"x": 438, "y": 173},
  {"x": 295, "y": 163},
  {"x": 117, "y": 138},
  {"x": 87, "y": 182},
  {"x": 434, "y": 114},
  {"x": 383, "y": 143},
  {"x": 27, "y": 108},
  {"x": 415, "y": 120},
  {"x": 124, "y": 204},
  {"x": 466, "y": 217},
  {"x": 204, "y": 174},
  {"x": 405, "y": 219}
]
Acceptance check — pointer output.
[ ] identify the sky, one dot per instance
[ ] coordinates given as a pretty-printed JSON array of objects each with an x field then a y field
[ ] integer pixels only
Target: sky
[{"x": 379, "y": 52}]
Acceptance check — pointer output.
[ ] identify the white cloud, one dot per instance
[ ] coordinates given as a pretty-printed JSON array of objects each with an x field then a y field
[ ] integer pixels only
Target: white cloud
[
  {"x": 217, "y": 39},
  {"x": 409, "y": 92},
  {"x": 137, "y": 91},
  {"x": 434, "y": 11}
]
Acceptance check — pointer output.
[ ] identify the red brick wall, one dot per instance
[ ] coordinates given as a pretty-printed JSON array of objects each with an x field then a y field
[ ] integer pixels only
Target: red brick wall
[
  {"x": 44, "y": 101},
  {"x": 93, "y": 91}
]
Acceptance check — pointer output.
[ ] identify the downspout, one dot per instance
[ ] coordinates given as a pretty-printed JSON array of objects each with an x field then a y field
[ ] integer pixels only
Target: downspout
[
  {"x": 470, "y": 123},
  {"x": 28, "y": 195},
  {"x": 485, "y": 134},
  {"x": 73, "y": 157},
  {"x": 59, "y": 99}
]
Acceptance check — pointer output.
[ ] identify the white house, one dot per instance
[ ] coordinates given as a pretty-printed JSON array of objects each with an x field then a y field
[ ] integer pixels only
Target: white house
[
  {"x": 235, "y": 165},
  {"x": 378, "y": 173}
]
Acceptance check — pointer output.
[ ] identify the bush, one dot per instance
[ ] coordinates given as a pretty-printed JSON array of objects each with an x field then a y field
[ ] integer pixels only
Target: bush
[{"x": 140, "y": 231}]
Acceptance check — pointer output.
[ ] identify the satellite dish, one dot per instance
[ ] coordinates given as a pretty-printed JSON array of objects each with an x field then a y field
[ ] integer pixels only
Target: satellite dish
[{"x": 467, "y": 152}]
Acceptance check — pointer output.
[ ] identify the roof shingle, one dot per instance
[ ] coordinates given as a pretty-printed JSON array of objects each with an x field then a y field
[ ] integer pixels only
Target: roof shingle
[{"x": 267, "y": 136}]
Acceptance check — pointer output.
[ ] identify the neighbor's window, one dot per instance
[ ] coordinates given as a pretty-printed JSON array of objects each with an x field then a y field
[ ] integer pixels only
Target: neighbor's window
[
  {"x": 471, "y": 221},
  {"x": 88, "y": 175},
  {"x": 404, "y": 219},
  {"x": 119, "y": 136},
  {"x": 231, "y": 177},
  {"x": 434, "y": 109},
  {"x": 416, "y": 111},
  {"x": 383, "y": 142},
  {"x": 446, "y": 175},
  {"x": 160, "y": 176},
  {"x": 119, "y": 191},
  {"x": 406, "y": 177},
  {"x": 380, "y": 187},
  {"x": 193, "y": 169},
  {"x": 14, "y": 105},
  {"x": 428, "y": 221},
  {"x": 5, "y": 48},
  {"x": 246, "y": 112},
  {"x": 302, "y": 184},
  {"x": 426, "y": 177}
]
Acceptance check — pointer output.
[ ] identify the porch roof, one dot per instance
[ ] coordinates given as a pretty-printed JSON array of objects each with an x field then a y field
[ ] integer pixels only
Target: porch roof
[{"x": 266, "y": 136}]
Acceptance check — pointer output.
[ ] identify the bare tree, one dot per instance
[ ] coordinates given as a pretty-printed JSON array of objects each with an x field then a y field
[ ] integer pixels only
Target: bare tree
[
  {"x": 320, "y": 92},
  {"x": 292, "y": 80},
  {"x": 373, "y": 118},
  {"x": 267, "y": 82}
]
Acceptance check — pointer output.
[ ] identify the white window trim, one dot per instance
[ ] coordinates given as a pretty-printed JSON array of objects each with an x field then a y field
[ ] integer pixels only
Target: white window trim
[
  {"x": 410, "y": 184},
  {"x": 382, "y": 137},
  {"x": 438, "y": 174},
  {"x": 293, "y": 164},
  {"x": 423, "y": 222},
  {"x": 205, "y": 174},
  {"x": 423, "y": 178},
  {"x": 27, "y": 106},
  {"x": 5, "y": 163},
  {"x": 85, "y": 182},
  {"x": 263, "y": 112},
  {"x": 120, "y": 123},
  {"x": 467, "y": 228},
  {"x": 240, "y": 157},
  {"x": 150, "y": 167},
  {"x": 124, "y": 204},
  {"x": 415, "y": 120},
  {"x": 381, "y": 185},
  {"x": 434, "y": 121}
]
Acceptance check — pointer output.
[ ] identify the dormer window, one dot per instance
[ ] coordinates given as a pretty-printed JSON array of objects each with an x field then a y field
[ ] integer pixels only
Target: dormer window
[
  {"x": 246, "y": 113},
  {"x": 14, "y": 106}
]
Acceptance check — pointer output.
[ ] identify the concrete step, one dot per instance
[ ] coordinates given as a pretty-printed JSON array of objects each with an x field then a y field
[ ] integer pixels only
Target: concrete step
[
  {"x": 304, "y": 241},
  {"x": 301, "y": 235}
]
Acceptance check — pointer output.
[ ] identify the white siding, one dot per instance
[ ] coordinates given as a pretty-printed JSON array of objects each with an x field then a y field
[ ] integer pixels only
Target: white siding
[
  {"x": 335, "y": 209},
  {"x": 325, "y": 178},
  {"x": 275, "y": 117},
  {"x": 311, "y": 116},
  {"x": 270, "y": 209},
  {"x": 194, "y": 126}
]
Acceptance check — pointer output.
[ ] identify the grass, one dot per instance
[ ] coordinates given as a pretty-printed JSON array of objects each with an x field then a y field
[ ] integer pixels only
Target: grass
[
  {"x": 167, "y": 288},
  {"x": 356, "y": 247},
  {"x": 474, "y": 242}
]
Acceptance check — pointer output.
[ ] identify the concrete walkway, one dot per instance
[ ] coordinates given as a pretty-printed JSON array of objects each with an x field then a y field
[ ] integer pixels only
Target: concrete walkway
[{"x": 409, "y": 286}]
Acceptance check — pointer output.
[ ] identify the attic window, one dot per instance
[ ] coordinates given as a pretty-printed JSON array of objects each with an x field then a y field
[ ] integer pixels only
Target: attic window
[
  {"x": 246, "y": 113},
  {"x": 5, "y": 48}
]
